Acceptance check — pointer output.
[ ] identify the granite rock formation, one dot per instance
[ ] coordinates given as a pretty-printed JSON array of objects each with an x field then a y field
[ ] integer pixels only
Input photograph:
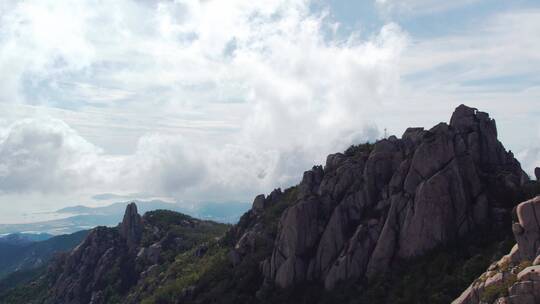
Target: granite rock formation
[
  {"x": 368, "y": 209},
  {"x": 359, "y": 217},
  {"x": 515, "y": 278},
  {"x": 111, "y": 263},
  {"x": 131, "y": 227},
  {"x": 81, "y": 275}
]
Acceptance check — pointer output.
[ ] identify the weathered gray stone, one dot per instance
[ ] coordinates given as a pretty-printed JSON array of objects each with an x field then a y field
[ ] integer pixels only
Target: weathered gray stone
[
  {"x": 463, "y": 118},
  {"x": 353, "y": 260},
  {"x": 528, "y": 236},
  {"x": 531, "y": 273},
  {"x": 131, "y": 226},
  {"x": 522, "y": 299},
  {"x": 153, "y": 253},
  {"x": 258, "y": 203},
  {"x": 524, "y": 287}
]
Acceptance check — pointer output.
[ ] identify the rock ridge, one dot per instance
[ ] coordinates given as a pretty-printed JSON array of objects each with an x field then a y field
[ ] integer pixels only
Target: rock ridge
[
  {"x": 111, "y": 264},
  {"x": 375, "y": 205}
]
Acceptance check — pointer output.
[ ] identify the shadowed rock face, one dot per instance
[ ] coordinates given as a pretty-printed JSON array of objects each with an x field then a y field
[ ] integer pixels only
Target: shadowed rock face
[
  {"x": 361, "y": 213},
  {"x": 537, "y": 173}
]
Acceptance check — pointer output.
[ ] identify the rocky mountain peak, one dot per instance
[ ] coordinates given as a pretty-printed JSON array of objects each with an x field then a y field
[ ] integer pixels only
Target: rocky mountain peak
[
  {"x": 397, "y": 199},
  {"x": 359, "y": 218},
  {"x": 464, "y": 117},
  {"x": 132, "y": 226}
]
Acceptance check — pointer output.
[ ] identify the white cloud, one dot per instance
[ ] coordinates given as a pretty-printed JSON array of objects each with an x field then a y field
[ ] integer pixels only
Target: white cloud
[
  {"x": 47, "y": 156},
  {"x": 221, "y": 100},
  {"x": 530, "y": 159},
  {"x": 44, "y": 155},
  {"x": 217, "y": 100}
]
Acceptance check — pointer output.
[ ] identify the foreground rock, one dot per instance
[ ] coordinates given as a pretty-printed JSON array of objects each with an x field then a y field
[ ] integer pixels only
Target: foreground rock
[
  {"x": 514, "y": 279},
  {"x": 372, "y": 207}
]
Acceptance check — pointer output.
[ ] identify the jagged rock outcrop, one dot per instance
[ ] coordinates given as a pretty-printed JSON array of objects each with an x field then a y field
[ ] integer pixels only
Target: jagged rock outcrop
[
  {"x": 537, "y": 173},
  {"x": 111, "y": 264},
  {"x": 84, "y": 273},
  {"x": 374, "y": 206},
  {"x": 131, "y": 227},
  {"x": 515, "y": 278},
  {"x": 250, "y": 233}
]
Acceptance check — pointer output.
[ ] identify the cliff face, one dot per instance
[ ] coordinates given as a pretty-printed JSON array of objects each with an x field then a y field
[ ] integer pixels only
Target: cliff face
[
  {"x": 514, "y": 279},
  {"x": 374, "y": 206}
]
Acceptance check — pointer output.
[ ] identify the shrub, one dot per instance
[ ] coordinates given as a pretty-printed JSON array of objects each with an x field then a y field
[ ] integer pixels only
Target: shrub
[{"x": 495, "y": 291}]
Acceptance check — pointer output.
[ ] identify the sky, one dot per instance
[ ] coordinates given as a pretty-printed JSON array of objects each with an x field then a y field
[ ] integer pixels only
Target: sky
[{"x": 209, "y": 100}]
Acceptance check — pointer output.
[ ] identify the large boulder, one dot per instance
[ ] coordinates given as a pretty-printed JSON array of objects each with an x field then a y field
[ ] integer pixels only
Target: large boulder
[{"x": 527, "y": 229}]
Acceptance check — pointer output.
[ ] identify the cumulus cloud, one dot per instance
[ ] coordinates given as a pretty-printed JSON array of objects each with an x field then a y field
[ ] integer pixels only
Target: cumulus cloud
[
  {"x": 47, "y": 156},
  {"x": 44, "y": 155},
  {"x": 221, "y": 100}
]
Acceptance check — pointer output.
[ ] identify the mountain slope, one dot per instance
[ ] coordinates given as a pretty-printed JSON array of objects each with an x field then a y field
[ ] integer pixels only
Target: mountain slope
[
  {"x": 24, "y": 238},
  {"x": 27, "y": 256},
  {"x": 108, "y": 264},
  {"x": 408, "y": 220}
]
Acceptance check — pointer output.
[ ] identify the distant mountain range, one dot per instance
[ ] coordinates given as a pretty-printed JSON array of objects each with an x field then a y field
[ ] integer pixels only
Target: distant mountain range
[
  {"x": 82, "y": 217},
  {"x": 24, "y": 238}
]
